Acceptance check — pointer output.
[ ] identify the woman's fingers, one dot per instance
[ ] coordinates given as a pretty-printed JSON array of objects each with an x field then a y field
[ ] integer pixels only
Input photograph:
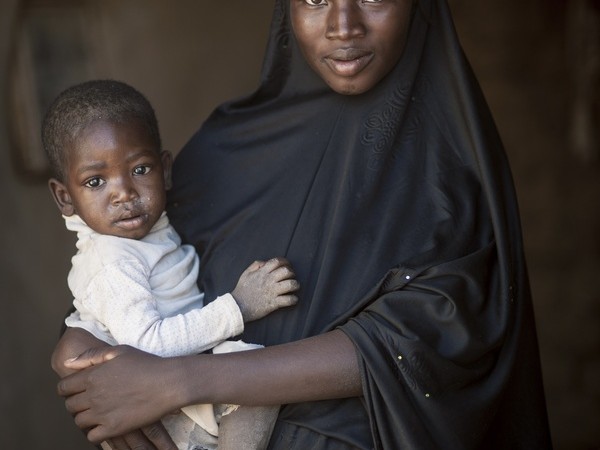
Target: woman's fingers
[
  {"x": 151, "y": 437},
  {"x": 114, "y": 444},
  {"x": 98, "y": 434},
  {"x": 157, "y": 435},
  {"x": 71, "y": 385},
  {"x": 84, "y": 420},
  {"x": 92, "y": 357},
  {"x": 76, "y": 403}
]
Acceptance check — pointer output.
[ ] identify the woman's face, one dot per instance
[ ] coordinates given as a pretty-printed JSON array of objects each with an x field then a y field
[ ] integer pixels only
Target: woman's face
[{"x": 351, "y": 44}]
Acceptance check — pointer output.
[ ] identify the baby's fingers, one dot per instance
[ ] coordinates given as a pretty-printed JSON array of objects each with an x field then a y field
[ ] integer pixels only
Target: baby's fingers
[
  {"x": 282, "y": 273},
  {"x": 254, "y": 266},
  {"x": 283, "y": 301},
  {"x": 287, "y": 285},
  {"x": 276, "y": 263}
]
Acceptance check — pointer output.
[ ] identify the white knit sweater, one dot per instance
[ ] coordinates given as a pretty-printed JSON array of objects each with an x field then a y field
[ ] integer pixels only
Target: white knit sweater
[{"x": 143, "y": 293}]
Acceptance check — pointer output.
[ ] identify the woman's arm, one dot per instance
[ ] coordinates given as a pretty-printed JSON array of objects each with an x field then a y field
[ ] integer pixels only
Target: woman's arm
[
  {"x": 76, "y": 341},
  {"x": 127, "y": 388},
  {"x": 317, "y": 368}
]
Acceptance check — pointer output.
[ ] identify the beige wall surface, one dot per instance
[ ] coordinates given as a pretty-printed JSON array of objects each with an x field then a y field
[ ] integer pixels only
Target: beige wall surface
[{"x": 189, "y": 55}]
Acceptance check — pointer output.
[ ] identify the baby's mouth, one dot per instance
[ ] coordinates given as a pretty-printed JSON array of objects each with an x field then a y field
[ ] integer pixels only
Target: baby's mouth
[{"x": 131, "y": 221}]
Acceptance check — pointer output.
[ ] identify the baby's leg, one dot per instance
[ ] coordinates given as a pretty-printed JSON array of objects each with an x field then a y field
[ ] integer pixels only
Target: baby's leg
[{"x": 248, "y": 428}]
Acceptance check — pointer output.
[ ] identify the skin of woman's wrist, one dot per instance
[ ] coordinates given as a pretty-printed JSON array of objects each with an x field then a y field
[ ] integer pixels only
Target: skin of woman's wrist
[{"x": 186, "y": 379}]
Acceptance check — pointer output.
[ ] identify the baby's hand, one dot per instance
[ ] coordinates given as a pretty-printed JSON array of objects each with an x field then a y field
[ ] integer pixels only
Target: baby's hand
[{"x": 265, "y": 287}]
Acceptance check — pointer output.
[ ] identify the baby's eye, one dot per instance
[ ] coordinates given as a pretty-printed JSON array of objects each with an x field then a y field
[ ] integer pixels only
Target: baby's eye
[
  {"x": 141, "y": 170},
  {"x": 94, "y": 182}
]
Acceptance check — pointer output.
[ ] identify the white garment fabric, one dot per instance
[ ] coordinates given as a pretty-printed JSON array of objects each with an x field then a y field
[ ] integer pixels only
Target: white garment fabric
[{"x": 143, "y": 293}]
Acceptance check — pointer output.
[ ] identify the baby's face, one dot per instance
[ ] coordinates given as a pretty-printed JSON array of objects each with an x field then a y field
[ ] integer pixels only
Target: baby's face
[{"x": 116, "y": 179}]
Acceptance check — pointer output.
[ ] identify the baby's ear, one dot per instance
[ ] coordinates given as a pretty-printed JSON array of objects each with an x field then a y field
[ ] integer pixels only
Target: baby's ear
[
  {"x": 61, "y": 197},
  {"x": 166, "y": 159}
]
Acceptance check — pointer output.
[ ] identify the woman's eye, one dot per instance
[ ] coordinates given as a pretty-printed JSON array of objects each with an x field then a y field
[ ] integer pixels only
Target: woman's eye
[
  {"x": 316, "y": 2},
  {"x": 141, "y": 170},
  {"x": 94, "y": 182}
]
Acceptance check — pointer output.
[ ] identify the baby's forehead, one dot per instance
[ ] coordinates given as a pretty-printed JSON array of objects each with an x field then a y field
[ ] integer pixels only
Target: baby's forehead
[
  {"x": 111, "y": 136},
  {"x": 101, "y": 129}
]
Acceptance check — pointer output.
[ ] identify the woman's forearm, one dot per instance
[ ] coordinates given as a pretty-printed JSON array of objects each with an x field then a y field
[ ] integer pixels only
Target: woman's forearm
[
  {"x": 317, "y": 368},
  {"x": 121, "y": 389}
]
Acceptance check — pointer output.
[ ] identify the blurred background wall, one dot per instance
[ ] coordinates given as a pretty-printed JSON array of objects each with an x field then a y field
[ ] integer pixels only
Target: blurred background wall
[{"x": 537, "y": 61}]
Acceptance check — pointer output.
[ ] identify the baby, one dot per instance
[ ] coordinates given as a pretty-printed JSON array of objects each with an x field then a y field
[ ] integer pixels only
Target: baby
[{"x": 132, "y": 280}]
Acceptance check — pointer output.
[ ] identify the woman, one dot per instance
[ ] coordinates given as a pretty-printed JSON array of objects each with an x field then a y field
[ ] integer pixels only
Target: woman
[{"x": 368, "y": 158}]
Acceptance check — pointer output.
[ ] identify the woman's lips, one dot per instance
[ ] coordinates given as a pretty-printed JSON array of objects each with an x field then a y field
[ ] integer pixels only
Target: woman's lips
[{"x": 348, "y": 62}]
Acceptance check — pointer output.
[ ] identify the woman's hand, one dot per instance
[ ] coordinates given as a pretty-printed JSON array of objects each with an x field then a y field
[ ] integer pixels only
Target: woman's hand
[
  {"x": 116, "y": 390},
  {"x": 76, "y": 341},
  {"x": 150, "y": 437}
]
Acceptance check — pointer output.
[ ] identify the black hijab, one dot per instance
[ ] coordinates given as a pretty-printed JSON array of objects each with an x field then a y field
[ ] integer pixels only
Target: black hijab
[{"x": 396, "y": 209}]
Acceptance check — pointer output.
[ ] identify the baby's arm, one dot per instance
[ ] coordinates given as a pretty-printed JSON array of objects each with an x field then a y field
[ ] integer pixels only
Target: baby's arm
[{"x": 121, "y": 299}]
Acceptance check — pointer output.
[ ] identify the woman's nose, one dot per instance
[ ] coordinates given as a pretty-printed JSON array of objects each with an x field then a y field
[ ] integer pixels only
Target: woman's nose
[{"x": 345, "y": 20}]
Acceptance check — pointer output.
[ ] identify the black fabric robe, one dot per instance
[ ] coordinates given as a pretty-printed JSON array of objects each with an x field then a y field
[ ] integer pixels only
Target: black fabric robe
[{"x": 397, "y": 211}]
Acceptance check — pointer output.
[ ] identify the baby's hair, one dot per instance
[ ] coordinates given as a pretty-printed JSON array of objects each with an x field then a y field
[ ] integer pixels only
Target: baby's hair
[{"x": 77, "y": 107}]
